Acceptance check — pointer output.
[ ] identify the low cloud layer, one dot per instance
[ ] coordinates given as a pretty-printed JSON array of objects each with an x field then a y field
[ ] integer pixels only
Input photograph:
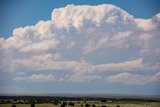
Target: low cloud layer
[
  {"x": 85, "y": 41},
  {"x": 128, "y": 78}
]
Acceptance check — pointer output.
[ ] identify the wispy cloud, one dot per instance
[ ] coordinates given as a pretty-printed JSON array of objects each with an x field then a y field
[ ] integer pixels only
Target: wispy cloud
[
  {"x": 36, "y": 78},
  {"x": 128, "y": 78}
]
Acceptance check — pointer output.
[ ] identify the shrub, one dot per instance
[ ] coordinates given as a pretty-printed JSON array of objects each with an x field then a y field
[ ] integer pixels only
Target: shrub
[
  {"x": 104, "y": 100},
  {"x": 93, "y": 105},
  {"x": 32, "y": 105},
  {"x": 13, "y": 106},
  {"x": 87, "y": 105},
  {"x": 55, "y": 103},
  {"x": 62, "y": 105},
  {"x": 71, "y": 104}
]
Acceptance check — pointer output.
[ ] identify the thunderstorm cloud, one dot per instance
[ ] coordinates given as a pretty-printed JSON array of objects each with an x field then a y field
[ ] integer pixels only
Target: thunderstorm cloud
[{"x": 85, "y": 42}]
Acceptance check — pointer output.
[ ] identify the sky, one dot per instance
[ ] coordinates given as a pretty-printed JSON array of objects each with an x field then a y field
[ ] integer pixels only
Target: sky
[
  {"x": 80, "y": 46},
  {"x": 18, "y": 13}
]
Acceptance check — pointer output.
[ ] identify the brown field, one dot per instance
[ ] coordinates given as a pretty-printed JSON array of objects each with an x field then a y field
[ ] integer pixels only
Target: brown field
[{"x": 121, "y": 104}]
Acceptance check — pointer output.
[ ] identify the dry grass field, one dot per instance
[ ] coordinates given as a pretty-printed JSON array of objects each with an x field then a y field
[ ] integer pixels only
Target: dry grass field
[{"x": 121, "y": 104}]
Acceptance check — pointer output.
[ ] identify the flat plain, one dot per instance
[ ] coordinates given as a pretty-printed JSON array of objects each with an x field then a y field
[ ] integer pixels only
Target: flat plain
[{"x": 114, "y": 104}]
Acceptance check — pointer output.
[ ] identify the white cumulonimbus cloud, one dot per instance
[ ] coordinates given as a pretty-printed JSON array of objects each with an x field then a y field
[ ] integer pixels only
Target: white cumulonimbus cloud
[{"x": 84, "y": 40}]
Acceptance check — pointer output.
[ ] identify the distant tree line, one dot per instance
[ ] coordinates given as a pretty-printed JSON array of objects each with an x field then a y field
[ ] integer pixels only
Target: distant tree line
[{"x": 56, "y": 99}]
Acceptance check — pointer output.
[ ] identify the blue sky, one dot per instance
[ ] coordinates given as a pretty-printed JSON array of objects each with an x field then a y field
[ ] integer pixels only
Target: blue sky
[
  {"x": 20, "y": 13},
  {"x": 100, "y": 49}
]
